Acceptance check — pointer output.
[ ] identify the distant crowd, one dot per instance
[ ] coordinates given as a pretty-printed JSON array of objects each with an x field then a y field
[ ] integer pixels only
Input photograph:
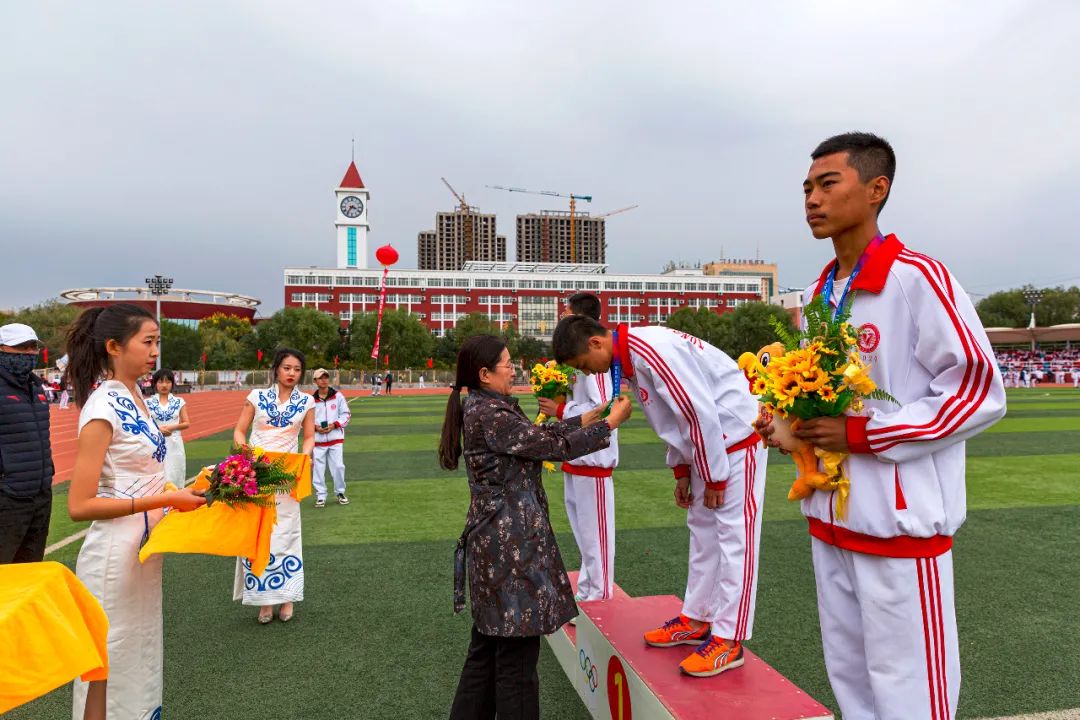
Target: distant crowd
[{"x": 1029, "y": 368}]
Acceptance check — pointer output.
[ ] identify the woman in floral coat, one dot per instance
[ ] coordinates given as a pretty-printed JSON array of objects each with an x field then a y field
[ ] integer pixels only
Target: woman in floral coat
[{"x": 517, "y": 582}]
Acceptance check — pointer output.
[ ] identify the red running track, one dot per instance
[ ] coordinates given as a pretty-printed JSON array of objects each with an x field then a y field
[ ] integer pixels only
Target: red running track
[{"x": 210, "y": 413}]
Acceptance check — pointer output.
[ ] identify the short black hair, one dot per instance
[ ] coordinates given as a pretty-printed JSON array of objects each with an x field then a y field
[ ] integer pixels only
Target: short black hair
[
  {"x": 572, "y": 335},
  {"x": 584, "y": 303},
  {"x": 871, "y": 156},
  {"x": 163, "y": 374}
]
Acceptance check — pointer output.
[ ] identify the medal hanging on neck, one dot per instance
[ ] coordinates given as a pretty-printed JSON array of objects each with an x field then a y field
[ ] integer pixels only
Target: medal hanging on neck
[
  {"x": 827, "y": 289},
  {"x": 616, "y": 373}
]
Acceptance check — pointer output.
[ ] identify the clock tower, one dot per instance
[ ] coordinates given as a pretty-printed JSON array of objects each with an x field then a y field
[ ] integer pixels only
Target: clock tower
[{"x": 352, "y": 220}]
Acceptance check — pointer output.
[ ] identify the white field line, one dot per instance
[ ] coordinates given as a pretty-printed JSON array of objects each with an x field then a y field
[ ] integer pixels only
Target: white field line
[
  {"x": 1073, "y": 714},
  {"x": 66, "y": 541}
]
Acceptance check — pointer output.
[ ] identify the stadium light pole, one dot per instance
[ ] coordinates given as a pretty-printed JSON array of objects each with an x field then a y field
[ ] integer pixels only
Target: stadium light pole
[
  {"x": 158, "y": 286},
  {"x": 1032, "y": 297}
]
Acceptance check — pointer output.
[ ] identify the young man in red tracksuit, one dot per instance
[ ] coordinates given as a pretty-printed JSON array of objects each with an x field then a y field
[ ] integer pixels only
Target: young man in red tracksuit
[
  {"x": 588, "y": 488},
  {"x": 885, "y": 573},
  {"x": 697, "y": 400}
]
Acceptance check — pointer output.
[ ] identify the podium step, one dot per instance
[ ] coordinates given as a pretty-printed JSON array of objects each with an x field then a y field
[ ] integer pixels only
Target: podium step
[{"x": 621, "y": 678}]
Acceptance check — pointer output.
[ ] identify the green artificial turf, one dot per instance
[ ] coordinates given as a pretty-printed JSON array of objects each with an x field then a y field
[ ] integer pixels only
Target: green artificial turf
[{"x": 376, "y": 638}]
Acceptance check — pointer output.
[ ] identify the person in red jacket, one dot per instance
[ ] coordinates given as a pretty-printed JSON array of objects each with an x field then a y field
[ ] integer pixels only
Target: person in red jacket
[{"x": 885, "y": 572}]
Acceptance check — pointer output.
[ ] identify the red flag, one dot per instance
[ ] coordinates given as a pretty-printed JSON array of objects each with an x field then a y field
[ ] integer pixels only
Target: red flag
[
  {"x": 430, "y": 363},
  {"x": 386, "y": 361},
  {"x": 335, "y": 361},
  {"x": 45, "y": 356},
  {"x": 258, "y": 353},
  {"x": 204, "y": 358}
]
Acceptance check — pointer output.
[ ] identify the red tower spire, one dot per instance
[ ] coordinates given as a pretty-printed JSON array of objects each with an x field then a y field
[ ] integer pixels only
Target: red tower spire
[{"x": 352, "y": 178}]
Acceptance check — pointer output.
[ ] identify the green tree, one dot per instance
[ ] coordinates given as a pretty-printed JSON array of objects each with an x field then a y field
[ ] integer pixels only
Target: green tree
[
  {"x": 310, "y": 331},
  {"x": 181, "y": 346},
  {"x": 747, "y": 328},
  {"x": 404, "y": 339},
  {"x": 446, "y": 350},
  {"x": 50, "y": 321},
  {"x": 532, "y": 350},
  {"x": 228, "y": 342},
  {"x": 1003, "y": 309},
  {"x": 751, "y": 328},
  {"x": 474, "y": 324},
  {"x": 1058, "y": 306},
  {"x": 1008, "y": 308},
  {"x": 703, "y": 323}
]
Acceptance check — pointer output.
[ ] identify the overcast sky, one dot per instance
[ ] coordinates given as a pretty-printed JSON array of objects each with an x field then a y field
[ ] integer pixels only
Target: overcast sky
[{"x": 204, "y": 139}]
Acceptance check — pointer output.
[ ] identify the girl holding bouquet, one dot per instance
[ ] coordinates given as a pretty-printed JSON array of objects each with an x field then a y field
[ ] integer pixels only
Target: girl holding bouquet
[
  {"x": 170, "y": 413},
  {"x": 118, "y": 483},
  {"x": 517, "y": 582},
  {"x": 275, "y": 416}
]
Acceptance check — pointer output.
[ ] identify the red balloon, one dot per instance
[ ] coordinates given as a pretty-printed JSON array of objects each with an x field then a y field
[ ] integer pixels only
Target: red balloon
[{"x": 386, "y": 255}]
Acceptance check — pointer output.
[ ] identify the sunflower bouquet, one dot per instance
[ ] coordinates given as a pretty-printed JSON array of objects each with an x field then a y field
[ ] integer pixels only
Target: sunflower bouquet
[
  {"x": 550, "y": 380},
  {"x": 815, "y": 373}
]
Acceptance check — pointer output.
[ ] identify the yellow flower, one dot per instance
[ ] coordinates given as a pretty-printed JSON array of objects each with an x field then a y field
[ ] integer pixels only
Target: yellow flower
[
  {"x": 788, "y": 386},
  {"x": 759, "y": 387},
  {"x": 856, "y": 378},
  {"x": 814, "y": 380},
  {"x": 827, "y": 393}
]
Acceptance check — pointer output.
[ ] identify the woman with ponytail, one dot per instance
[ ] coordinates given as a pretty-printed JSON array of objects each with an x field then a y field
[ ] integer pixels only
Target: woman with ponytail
[
  {"x": 518, "y": 586},
  {"x": 119, "y": 484}
]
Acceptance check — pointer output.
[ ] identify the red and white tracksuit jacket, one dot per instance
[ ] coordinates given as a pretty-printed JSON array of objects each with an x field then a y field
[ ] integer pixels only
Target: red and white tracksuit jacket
[
  {"x": 699, "y": 403},
  {"x": 334, "y": 411},
  {"x": 884, "y": 574},
  {"x": 589, "y": 493}
]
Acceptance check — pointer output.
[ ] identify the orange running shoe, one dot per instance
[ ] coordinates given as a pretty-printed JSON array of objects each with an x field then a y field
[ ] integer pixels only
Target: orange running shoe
[
  {"x": 677, "y": 631},
  {"x": 713, "y": 657}
]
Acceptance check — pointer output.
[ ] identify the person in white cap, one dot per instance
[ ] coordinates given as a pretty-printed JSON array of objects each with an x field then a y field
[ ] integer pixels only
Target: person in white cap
[
  {"x": 26, "y": 472},
  {"x": 331, "y": 416}
]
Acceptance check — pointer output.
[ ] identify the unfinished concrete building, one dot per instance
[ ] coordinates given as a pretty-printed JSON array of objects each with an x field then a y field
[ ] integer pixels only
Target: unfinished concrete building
[
  {"x": 545, "y": 237},
  {"x": 460, "y": 237}
]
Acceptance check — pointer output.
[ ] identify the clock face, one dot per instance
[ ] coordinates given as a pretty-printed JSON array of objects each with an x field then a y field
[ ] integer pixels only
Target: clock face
[{"x": 352, "y": 206}]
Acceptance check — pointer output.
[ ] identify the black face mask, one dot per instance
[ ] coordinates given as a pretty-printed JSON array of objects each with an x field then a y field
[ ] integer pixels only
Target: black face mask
[{"x": 18, "y": 364}]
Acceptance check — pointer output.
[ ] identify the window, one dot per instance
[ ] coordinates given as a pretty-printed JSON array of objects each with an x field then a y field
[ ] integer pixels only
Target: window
[
  {"x": 480, "y": 283},
  {"x": 350, "y": 247},
  {"x": 461, "y": 282},
  {"x": 505, "y": 284},
  {"x": 294, "y": 280},
  {"x": 652, "y": 286},
  {"x": 731, "y": 302},
  {"x": 729, "y": 287},
  {"x": 345, "y": 314},
  {"x": 298, "y": 297},
  {"x": 325, "y": 280},
  {"x": 592, "y": 284},
  {"x": 636, "y": 286}
]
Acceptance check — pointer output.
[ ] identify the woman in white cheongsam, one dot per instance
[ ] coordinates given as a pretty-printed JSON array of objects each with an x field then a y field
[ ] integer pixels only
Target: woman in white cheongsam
[
  {"x": 170, "y": 413},
  {"x": 118, "y": 483},
  {"x": 275, "y": 417}
]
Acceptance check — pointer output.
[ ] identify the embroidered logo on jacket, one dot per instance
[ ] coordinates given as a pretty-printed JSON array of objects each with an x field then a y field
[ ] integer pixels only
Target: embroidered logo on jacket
[
  {"x": 644, "y": 395},
  {"x": 869, "y": 337}
]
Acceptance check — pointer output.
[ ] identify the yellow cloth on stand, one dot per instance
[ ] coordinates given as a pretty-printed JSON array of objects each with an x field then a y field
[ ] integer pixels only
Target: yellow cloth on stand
[
  {"x": 241, "y": 531},
  {"x": 53, "y": 631}
]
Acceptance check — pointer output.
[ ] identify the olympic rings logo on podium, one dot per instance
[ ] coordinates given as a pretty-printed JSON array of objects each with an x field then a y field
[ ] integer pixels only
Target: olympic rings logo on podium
[{"x": 592, "y": 676}]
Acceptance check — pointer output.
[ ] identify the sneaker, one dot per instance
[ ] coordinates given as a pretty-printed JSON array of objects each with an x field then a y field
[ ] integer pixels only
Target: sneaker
[
  {"x": 321, "y": 502},
  {"x": 713, "y": 657},
  {"x": 342, "y": 500},
  {"x": 677, "y": 631}
]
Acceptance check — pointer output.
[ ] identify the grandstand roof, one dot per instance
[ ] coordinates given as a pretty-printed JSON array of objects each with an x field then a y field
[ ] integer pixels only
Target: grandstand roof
[{"x": 1069, "y": 332}]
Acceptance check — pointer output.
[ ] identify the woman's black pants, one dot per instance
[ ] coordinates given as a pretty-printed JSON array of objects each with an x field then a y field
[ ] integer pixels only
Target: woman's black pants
[{"x": 499, "y": 679}]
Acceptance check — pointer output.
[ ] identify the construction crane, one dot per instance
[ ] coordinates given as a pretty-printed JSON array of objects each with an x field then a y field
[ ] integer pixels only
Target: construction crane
[
  {"x": 551, "y": 193},
  {"x": 615, "y": 212},
  {"x": 466, "y": 221}
]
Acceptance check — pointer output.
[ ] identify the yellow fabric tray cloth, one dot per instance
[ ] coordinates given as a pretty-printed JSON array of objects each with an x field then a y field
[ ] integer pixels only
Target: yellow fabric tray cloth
[
  {"x": 53, "y": 631},
  {"x": 240, "y": 531}
]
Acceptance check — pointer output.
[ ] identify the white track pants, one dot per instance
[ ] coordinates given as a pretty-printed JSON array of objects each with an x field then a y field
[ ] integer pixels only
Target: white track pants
[
  {"x": 888, "y": 626},
  {"x": 721, "y": 582},
  {"x": 329, "y": 456},
  {"x": 590, "y": 506}
]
